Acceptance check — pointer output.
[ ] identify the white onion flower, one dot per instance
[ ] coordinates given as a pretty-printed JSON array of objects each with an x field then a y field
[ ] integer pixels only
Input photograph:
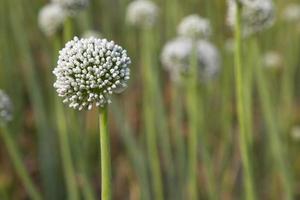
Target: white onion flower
[
  {"x": 51, "y": 17},
  {"x": 176, "y": 56},
  {"x": 5, "y": 107},
  {"x": 72, "y": 6},
  {"x": 292, "y": 13},
  {"x": 194, "y": 26},
  {"x": 256, "y": 16},
  {"x": 89, "y": 71},
  {"x": 142, "y": 13}
]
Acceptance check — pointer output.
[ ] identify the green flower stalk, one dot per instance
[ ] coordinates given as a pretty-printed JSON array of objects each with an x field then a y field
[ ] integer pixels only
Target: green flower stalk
[
  {"x": 197, "y": 61},
  {"x": 88, "y": 72},
  {"x": 5, "y": 116},
  {"x": 239, "y": 82}
]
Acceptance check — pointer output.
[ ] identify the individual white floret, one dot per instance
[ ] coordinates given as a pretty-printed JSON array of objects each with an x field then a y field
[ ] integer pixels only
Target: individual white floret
[
  {"x": 51, "y": 17},
  {"x": 5, "y": 107},
  {"x": 89, "y": 71},
  {"x": 194, "y": 26},
  {"x": 142, "y": 13}
]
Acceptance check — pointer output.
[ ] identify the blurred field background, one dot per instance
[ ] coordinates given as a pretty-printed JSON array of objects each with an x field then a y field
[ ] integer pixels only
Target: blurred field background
[{"x": 27, "y": 58}]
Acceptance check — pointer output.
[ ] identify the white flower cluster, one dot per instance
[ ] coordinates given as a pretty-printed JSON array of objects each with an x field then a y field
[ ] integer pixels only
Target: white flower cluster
[
  {"x": 292, "y": 13},
  {"x": 177, "y": 53},
  {"x": 51, "y": 18},
  {"x": 72, "y": 6},
  {"x": 257, "y": 15},
  {"x": 89, "y": 71},
  {"x": 5, "y": 107},
  {"x": 194, "y": 26},
  {"x": 142, "y": 13}
]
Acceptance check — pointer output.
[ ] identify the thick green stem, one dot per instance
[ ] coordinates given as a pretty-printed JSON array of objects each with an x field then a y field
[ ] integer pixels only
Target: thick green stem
[
  {"x": 18, "y": 164},
  {"x": 244, "y": 135},
  {"x": 66, "y": 155},
  {"x": 106, "y": 186}
]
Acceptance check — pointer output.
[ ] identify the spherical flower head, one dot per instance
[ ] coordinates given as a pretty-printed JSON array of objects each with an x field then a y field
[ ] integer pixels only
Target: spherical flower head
[
  {"x": 256, "y": 16},
  {"x": 142, "y": 13},
  {"x": 292, "y": 13},
  {"x": 72, "y": 6},
  {"x": 194, "y": 26},
  {"x": 176, "y": 57},
  {"x": 5, "y": 107},
  {"x": 51, "y": 17},
  {"x": 89, "y": 71}
]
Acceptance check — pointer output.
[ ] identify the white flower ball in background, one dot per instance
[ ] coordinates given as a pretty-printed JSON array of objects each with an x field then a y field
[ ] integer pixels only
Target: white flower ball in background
[
  {"x": 292, "y": 13},
  {"x": 51, "y": 17},
  {"x": 91, "y": 33},
  {"x": 175, "y": 56},
  {"x": 72, "y": 6},
  {"x": 142, "y": 13},
  {"x": 177, "y": 53},
  {"x": 5, "y": 107},
  {"x": 89, "y": 71},
  {"x": 256, "y": 16},
  {"x": 272, "y": 59},
  {"x": 194, "y": 26}
]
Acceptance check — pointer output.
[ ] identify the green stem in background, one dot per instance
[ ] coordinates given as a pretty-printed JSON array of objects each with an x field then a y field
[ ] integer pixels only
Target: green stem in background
[
  {"x": 48, "y": 161},
  {"x": 277, "y": 146},
  {"x": 153, "y": 85},
  {"x": 106, "y": 186},
  {"x": 80, "y": 142},
  {"x": 68, "y": 30},
  {"x": 153, "y": 156},
  {"x": 149, "y": 101},
  {"x": 178, "y": 137},
  {"x": 65, "y": 151},
  {"x": 18, "y": 164},
  {"x": 192, "y": 113},
  {"x": 244, "y": 136},
  {"x": 203, "y": 143},
  {"x": 133, "y": 149},
  {"x": 248, "y": 92}
]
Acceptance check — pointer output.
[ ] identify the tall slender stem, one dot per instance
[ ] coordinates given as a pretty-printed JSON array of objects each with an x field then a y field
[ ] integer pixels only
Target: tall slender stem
[
  {"x": 66, "y": 155},
  {"x": 149, "y": 119},
  {"x": 192, "y": 112},
  {"x": 239, "y": 82},
  {"x": 106, "y": 185},
  {"x": 18, "y": 164}
]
